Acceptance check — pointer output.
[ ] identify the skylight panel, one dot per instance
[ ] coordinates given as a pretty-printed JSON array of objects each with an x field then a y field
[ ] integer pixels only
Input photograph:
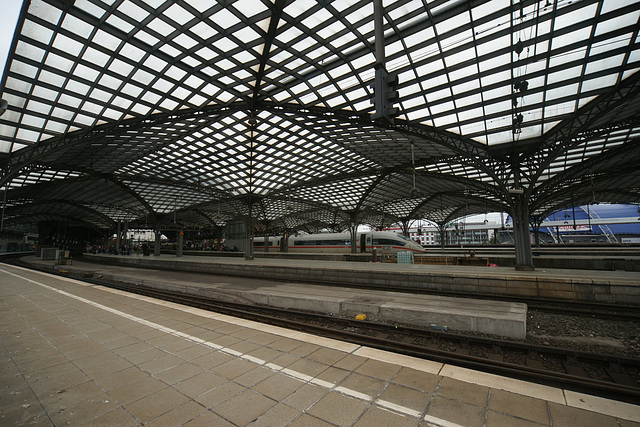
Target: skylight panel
[
  {"x": 33, "y": 121},
  {"x": 573, "y": 37},
  {"x": 612, "y": 44},
  {"x": 250, "y": 8},
  {"x": 109, "y": 81},
  {"x": 91, "y": 107},
  {"x": 629, "y": 72},
  {"x": 132, "y": 52},
  {"x": 500, "y": 77},
  {"x": 488, "y": 8},
  {"x": 225, "y": 44},
  {"x": 469, "y": 100},
  {"x": 147, "y": 38},
  {"x": 611, "y": 5},
  {"x": 120, "y": 23},
  {"x": 560, "y": 109},
  {"x": 51, "y": 78},
  {"x": 616, "y": 23},
  {"x": 154, "y": 63},
  {"x": 28, "y": 135},
  {"x": 203, "y": 30},
  {"x": 366, "y": 27},
  {"x": 567, "y": 57},
  {"x": 320, "y": 17},
  {"x": 161, "y": 27},
  {"x": 133, "y": 11},
  {"x": 83, "y": 120},
  {"x": 499, "y": 138},
  {"x": 120, "y": 67},
  {"x": 474, "y": 128},
  {"x": 184, "y": 41},
  {"x": 67, "y": 45},
  {"x": 329, "y": 32},
  {"x": 5, "y": 146},
  {"x": 208, "y": 54},
  {"x": 181, "y": 93},
  {"x": 291, "y": 33},
  {"x": 335, "y": 101},
  {"x": 320, "y": 51},
  {"x": 433, "y": 69},
  {"x": 529, "y": 131},
  {"x": 441, "y": 108},
  {"x": 462, "y": 73},
  {"x": 579, "y": 15},
  {"x": 497, "y": 107},
  {"x": 38, "y": 33},
  {"x": 611, "y": 63},
  {"x": 598, "y": 83},
  {"x": 70, "y": 101},
  {"x": 488, "y": 45},
  {"x": 44, "y": 93},
  {"x": 57, "y": 127},
  {"x": 474, "y": 113},
  {"x": 95, "y": 57},
  {"x": 225, "y": 19},
  {"x": 246, "y": 35},
  {"x": 446, "y": 28},
  {"x": 178, "y": 14},
  {"x": 106, "y": 40},
  {"x": 45, "y": 11},
  {"x": 563, "y": 75},
  {"x": 175, "y": 72},
  {"x": 151, "y": 97},
  {"x": 29, "y": 51},
  {"x": 499, "y": 92},
  {"x": 58, "y": 63},
  {"x": 142, "y": 77}
]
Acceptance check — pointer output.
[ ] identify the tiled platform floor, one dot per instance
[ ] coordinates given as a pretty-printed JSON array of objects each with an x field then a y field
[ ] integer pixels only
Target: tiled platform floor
[{"x": 85, "y": 355}]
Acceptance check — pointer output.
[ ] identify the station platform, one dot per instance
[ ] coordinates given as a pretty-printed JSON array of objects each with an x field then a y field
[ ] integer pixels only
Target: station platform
[
  {"x": 587, "y": 285},
  {"x": 81, "y": 354},
  {"x": 506, "y": 319}
]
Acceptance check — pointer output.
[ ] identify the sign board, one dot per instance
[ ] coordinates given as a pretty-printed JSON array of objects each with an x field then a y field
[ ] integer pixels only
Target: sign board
[
  {"x": 576, "y": 228},
  {"x": 630, "y": 240}
]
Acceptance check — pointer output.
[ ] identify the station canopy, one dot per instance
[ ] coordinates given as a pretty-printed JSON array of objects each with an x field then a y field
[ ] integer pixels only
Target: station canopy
[{"x": 193, "y": 113}]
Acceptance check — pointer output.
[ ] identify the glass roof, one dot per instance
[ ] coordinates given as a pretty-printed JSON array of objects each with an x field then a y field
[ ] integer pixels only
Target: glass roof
[{"x": 192, "y": 104}]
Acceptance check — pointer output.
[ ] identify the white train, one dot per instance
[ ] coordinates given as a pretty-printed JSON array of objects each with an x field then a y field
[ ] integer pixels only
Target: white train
[{"x": 341, "y": 242}]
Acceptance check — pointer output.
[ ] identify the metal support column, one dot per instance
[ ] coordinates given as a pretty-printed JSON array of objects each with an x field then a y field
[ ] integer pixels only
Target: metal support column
[
  {"x": 443, "y": 235},
  {"x": 156, "y": 247},
  {"x": 354, "y": 239},
  {"x": 179, "y": 243},
  {"x": 522, "y": 237},
  {"x": 378, "y": 26},
  {"x": 118, "y": 237}
]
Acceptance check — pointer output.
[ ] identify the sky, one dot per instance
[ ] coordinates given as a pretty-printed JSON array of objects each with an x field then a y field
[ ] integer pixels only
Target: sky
[{"x": 8, "y": 18}]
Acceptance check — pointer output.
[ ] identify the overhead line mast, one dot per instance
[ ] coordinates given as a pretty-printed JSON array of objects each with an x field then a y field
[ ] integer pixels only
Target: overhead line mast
[{"x": 385, "y": 93}]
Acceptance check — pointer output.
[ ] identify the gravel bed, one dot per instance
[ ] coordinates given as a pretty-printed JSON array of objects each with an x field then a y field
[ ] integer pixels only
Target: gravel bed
[{"x": 584, "y": 333}]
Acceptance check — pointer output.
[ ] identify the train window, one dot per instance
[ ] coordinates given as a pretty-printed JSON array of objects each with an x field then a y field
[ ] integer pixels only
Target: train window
[
  {"x": 338, "y": 242},
  {"x": 380, "y": 241}
]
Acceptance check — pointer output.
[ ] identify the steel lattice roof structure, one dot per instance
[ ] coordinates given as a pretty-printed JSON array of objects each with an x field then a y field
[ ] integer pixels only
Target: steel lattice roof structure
[{"x": 195, "y": 112}]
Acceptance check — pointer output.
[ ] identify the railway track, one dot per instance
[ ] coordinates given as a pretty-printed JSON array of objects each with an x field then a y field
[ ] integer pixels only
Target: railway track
[
  {"x": 620, "y": 312},
  {"x": 605, "y": 375}
]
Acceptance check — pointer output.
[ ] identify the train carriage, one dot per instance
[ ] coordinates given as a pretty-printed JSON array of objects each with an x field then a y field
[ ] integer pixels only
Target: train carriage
[{"x": 341, "y": 243}]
